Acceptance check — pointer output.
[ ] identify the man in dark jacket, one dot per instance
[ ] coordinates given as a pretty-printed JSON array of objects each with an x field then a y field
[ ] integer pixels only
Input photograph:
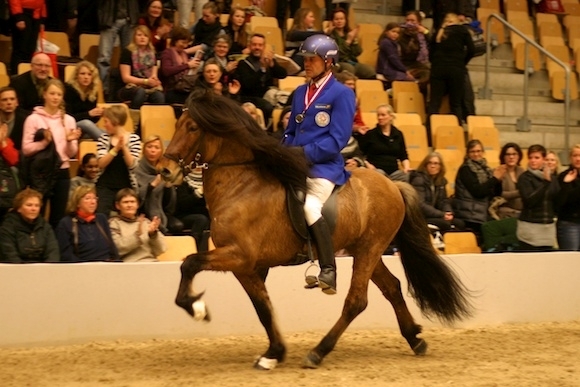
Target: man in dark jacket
[
  {"x": 12, "y": 115},
  {"x": 256, "y": 74},
  {"x": 29, "y": 85}
]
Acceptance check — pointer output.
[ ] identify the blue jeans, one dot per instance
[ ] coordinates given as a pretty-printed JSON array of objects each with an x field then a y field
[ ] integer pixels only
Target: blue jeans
[
  {"x": 138, "y": 96},
  {"x": 121, "y": 28},
  {"x": 568, "y": 234},
  {"x": 90, "y": 129}
]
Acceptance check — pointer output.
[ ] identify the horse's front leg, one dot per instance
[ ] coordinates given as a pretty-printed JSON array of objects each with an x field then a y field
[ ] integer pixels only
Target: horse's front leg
[{"x": 254, "y": 285}]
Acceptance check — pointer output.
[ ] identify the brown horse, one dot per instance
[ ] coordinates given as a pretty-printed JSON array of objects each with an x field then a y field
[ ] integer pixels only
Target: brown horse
[{"x": 244, "y": 186}]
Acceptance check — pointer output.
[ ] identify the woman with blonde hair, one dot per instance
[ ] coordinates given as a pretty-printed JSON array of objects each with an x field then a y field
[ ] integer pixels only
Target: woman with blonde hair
[
  {"x": 553, "y": 162},
  {"x": 138, "y": 67},
  {"x": 47, "y": 125},
  {"x": 81, "y": 95},
  {"x": 302, "y": 29},
  {"x": 252, "y": 110},
  {"x": 84, "y": 235}
]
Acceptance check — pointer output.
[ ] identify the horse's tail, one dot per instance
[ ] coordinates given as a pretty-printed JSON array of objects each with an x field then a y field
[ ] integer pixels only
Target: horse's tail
[{"x": 435, "y": 287}]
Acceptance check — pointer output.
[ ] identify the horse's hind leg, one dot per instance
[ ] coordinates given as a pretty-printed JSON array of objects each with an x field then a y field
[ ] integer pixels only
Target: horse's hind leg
[
  {"x": 254, "y": 285},
  {"x": 390, "y": 286}
]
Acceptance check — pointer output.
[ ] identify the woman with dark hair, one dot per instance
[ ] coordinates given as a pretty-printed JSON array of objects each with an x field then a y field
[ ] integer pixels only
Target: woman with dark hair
[
  {"x": 236, "y": 30},
  {"x": 302, "y": 29},
  {"x": 87, "y": 173},
  {"x": 389, "y": 65},
  {"x": 159, "y": 26},
  {"x": 476, "y": 184},
  {"x": 175, "y": 64},
  {"x": 348, "y": 46},
  {"x": 430, "y": 183},
  {"x": 413, "y": 40}
]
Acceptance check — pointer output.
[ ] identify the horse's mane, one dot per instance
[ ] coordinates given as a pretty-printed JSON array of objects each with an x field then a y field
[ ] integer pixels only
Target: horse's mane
[{"x": 223, "y": 117}]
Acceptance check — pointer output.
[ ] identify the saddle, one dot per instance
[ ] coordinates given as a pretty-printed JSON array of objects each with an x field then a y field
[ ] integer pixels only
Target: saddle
[{"x": 295, "y": 201}]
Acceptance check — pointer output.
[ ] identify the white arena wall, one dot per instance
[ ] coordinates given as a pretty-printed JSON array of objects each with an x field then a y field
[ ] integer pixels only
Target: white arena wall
[{"x": 51, "y": 304}]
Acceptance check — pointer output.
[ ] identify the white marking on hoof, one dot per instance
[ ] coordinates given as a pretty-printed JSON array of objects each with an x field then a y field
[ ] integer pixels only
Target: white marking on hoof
[
  {"x": 267, "y": 364},
  {"x": 199, "y": 310}
]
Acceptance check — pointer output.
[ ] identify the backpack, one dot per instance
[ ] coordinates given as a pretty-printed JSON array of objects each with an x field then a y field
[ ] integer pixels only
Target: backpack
[{"x": 478, "y": 37}]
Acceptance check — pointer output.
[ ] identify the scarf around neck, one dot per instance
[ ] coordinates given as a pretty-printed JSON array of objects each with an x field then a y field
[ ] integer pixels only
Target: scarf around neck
[
  {"x": 143, "y": 61},
  {"x": 480, "y": 168}
]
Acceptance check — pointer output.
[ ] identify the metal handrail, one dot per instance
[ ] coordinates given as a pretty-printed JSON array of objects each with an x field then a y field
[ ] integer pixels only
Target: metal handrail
[{"x": 524, "y": 123}]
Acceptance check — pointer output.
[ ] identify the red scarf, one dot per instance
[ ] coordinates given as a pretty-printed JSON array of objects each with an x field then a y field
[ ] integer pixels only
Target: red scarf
[{"x": 86, "y": 216}]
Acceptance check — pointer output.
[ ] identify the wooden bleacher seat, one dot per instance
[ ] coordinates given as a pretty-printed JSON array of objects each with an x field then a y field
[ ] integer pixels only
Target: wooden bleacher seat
[
  {"x": 449, "y": 137},
  {"x": 437, "y": 120},
  {"x": 410, "y": 102},
  {"x": 497, "y": 29},
  {"x": 224, "y": 18},
  {"x": 290, "y": 23},
  {"x": 178, "y": 248},
  {"x": 290, "y": 83},
  {"x": 370, "y": 119},
  {"x": 157, "y": 120},
  {"x": 451, "y": 169},
  {"x": 489, "y": 137},
  {"x": 416, "y": 142},
  {"x": 3, "y": 70},
  {"x": 86, "y": 146},
  {"x": 558, "y": 84},
  {"x": 4, "y": 80},
  {"x": 515, "y": 5},
  {"x": 571, "y": 20},
  {"x": 369, "y": 34},
  {"x": 573, "y": 32},
  {"x": 61, "y": 40},
  {"x": 572, "y": 8},
  {"x": 460, "y": 243},
  {"x": 479, "y": 121},
  {"x": 369, "y": 84},
  {"x": 263, "y": 21},
  {"x": 89, "y": 49},
  {"x": 490, "y": 4},
  {"x": 559, "y": 51},
  {"x": 273, "y": 37},
  {"x": 492, "y": 157},
  {"x": 451, "y": 155},
  {"x": 400, "y": 86},
  {"x": 516, "y": 15},
  {"x": 370, "y": 100},
  {"x": 546, "y": 18},
  {"x": 549, "y": 29},
  {"x": 5, "y": 48},
  {"x": 129, "y": 125},
  {"x": 407, "y": 119}
]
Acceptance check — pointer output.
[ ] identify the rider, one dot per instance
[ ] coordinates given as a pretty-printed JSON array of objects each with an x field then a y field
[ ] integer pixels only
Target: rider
[{"x": 321, "y": 123}]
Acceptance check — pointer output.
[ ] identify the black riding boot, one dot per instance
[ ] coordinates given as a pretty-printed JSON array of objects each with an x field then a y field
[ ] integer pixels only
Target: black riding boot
[{"x": 323, "y": 239}]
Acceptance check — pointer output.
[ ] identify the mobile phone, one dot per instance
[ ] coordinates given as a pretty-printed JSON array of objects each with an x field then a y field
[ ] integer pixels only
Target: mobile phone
[{"x": 199, "y": 54}]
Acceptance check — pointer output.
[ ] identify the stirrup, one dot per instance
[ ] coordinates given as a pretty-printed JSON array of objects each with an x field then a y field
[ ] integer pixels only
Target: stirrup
[{"x": 311, "y": 280}]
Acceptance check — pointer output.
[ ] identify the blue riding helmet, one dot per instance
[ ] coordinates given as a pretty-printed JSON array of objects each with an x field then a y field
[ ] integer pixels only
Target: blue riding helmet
[{"x": 320, "y": 45}]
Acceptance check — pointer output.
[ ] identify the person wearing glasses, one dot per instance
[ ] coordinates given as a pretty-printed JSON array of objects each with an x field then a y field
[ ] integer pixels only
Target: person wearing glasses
[
  {"x": 29, "y": 85},
  {"x": 475, "y": 185}
]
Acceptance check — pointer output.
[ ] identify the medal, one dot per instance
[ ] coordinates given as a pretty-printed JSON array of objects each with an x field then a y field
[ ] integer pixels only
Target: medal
[
  {"x": 322, "y": 119},
  {"x": 299, "y": 118}
]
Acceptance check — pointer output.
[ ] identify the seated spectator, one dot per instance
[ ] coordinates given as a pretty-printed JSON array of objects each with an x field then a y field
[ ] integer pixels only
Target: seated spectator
[
  {"x": 10, "y": 183},
  {"x": 177, "y": 70},
  {"x": 349, "y": 79},
  {"x": 25, "y": 237},
  {"x": 257, "y": 73},
  {"x": 84, "y": 235},
  {"x": 389, "y": 65},
  {"x": 430, "y": 183},
  {"x": 553, "y": 162},
  {"x": 12, "y": 115},
  {"x": 536, "y": 226},
  {"x": 283, "y": 122},
  {"x": 413, "y": 40},
  {"x": 81, "y": 95},
  {"x": 137, "y": 238},
  {"x": 159, "y": 26},
  {"x": 207, "y": 28},
  {"x": 29, "y": 85},
  {"x": 568, "y": 205},
  {"x": 221, "y": 47},
  {"x": 302, "y": 28},
  {"x": 348, "y": 46},
  {"x": 211, "y": 79},
  {"x": 251, "y": 109},
  {"x": 384, "y": 146},
  {"x": 475, "y": 185},
  {"x": 236, "y": 30},
  {"x": 156, "y": 195},
  {"x": 48, "y": 128},
  {"x": 87, "y": 173},
  {"x": 138, "y": 67},
  {"x": 191, "y": 208},
  {"x": 118, "y": 154}
]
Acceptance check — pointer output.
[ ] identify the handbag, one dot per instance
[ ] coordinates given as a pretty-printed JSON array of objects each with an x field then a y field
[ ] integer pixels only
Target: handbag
[{"x": 186, "y": 82}]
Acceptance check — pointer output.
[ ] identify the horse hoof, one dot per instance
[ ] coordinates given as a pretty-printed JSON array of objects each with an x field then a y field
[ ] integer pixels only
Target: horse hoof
[
  {"x": 312, "y": 360},
  {"x": 200, "y": 311},
  {"x": 421, "y": 348},
  {"x": 265, "y": 364}
]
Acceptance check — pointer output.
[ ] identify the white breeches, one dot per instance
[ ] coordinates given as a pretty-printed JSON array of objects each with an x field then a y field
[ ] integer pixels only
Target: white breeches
[{"x": 318, "y": 192}]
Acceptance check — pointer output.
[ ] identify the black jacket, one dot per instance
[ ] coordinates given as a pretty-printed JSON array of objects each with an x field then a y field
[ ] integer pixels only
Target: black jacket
[
  {"x": 537, "y": 194},
  {"x": 433, "y": 198},
  {"x": 18, "y": 129},
  {"x": 28, "y": 96},
  {"x": 567, "y": 200},
  {"x": 23, "y": 242},
  {"x": 255, "y": 82},
  {"x": 472, "y": 198},
  {"x": 76, "y": 107}
]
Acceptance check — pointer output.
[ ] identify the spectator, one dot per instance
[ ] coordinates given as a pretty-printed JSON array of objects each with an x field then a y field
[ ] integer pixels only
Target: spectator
[
  {"x": 451, "y": 52},
  {"x": 236, "y": 30},
  {"x": 389, "y": 65},
  {"x": 25, "y": 237},
  {"x": 159, "y": 26},
  {"x": 137, "y": 238},
  {"x": 211, "y": 79},
  {"x": 81, "y": 96},
  {"x": 207, "y": 28},
  {"x": 302, "y": 28},
  {"x": 331, "y": 5},
  {"x": 221, "y": 47},
  {"x": 430, "y": 183},
  {"x": 118, "y": 155},
  {"x": 257, "y": 73},
  {"x": 176, "y": 65},
  {"x": 536, "y": 226},
  {"x": 475, "y": 185},
  {"x": 84, "y": 235},
  {"x": 62, "y": 16},
  {"x": 282, "y": 124},
  {"x": 553, "y": 162},
  {"x": 157, "y": 196},
  {"x": 413, "y": 41},
  {"x": 47, "y": 124},
  {"x": 87, "y": 174},
  {"x": 191, "y": 208},
  {"x": 568, "y": 205},
  {"x": 348, "y": 45},
  {"x": 29, "y": 85},
  {"x": 252, "y": 110},
  {"x": 27, "y": 18},
  {"x": 184, "y": 9},
  {"x": 138, "y": 66},
  {"x": 10, "y": 183},
  {"x": 384, "y": 146},
  {"x": 349, "y": 80},
  {"x": 12, "y": 115},
  {"x": 116, "y": 19}
]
